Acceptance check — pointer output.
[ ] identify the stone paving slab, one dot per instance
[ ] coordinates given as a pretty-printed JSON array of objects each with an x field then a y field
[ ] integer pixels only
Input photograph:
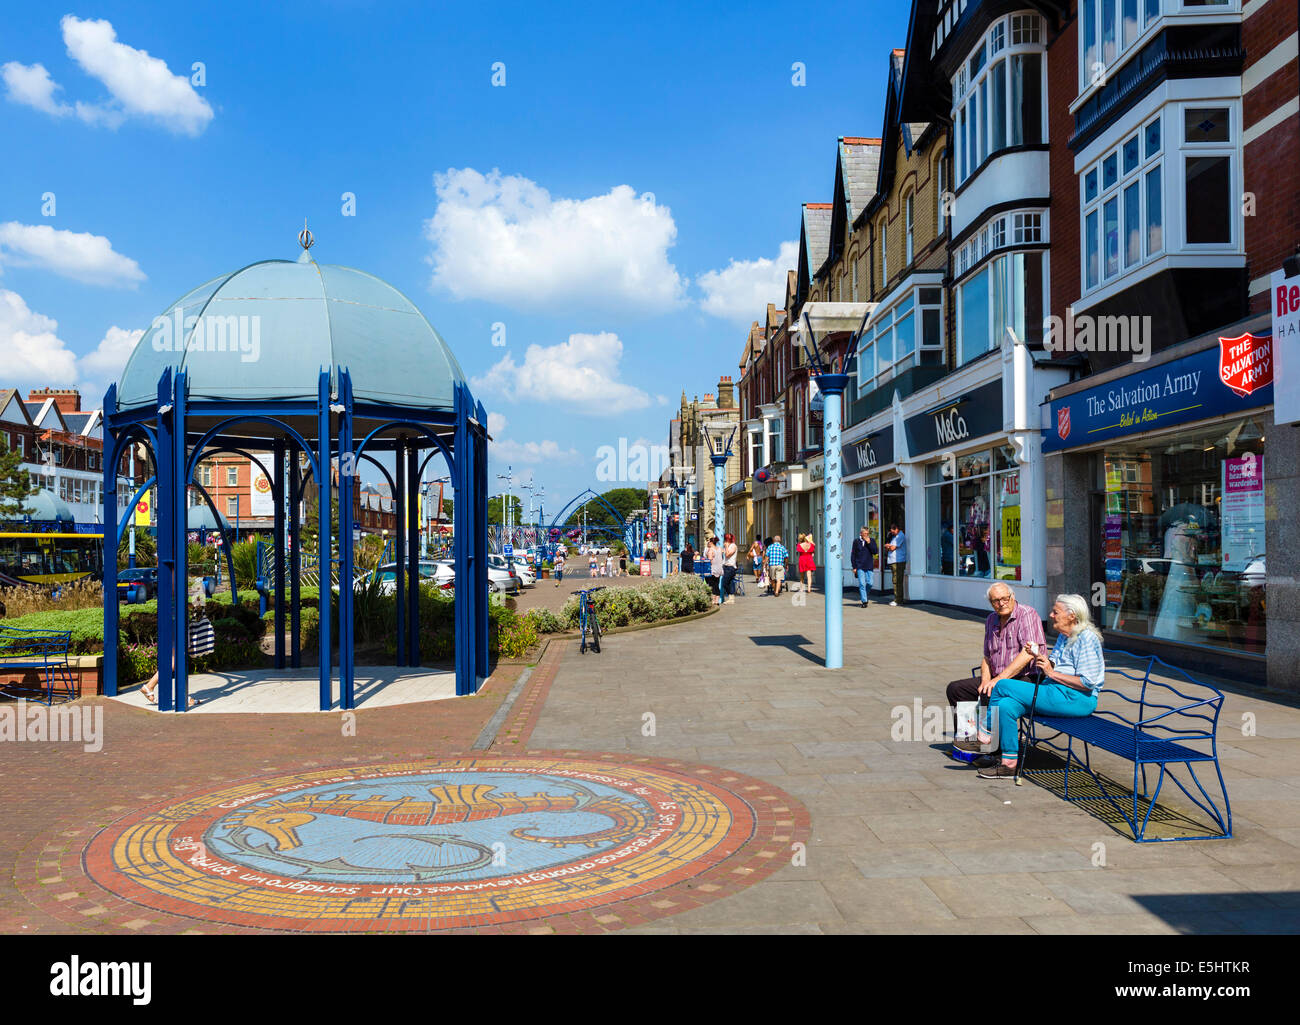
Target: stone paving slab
[{"x": 902, "y": 838}]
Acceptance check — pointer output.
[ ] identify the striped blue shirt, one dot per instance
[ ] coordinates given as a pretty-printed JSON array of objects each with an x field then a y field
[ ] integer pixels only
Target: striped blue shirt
[{"x": 1082, "y": 658}]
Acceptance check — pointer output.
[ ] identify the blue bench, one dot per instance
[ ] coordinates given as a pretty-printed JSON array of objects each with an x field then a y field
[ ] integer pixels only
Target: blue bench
[
  {"x": 45, "y": 651},
  {"x": 1167, "y": 724}
]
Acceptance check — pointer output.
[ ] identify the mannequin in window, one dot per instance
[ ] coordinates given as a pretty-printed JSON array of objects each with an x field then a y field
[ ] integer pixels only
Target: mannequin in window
[{"x": 1176, "y": 618}]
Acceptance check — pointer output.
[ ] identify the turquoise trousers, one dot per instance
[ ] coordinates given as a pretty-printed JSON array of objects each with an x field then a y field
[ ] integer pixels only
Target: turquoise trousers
[{"x": 1011, "y": 699}]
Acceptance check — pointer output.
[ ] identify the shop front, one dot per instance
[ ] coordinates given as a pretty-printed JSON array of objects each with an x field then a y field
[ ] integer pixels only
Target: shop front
[
  {"x": 873, "y": 493},
  {"x": 969, "y": 524},
  {"x": 1161, "y": 512}
]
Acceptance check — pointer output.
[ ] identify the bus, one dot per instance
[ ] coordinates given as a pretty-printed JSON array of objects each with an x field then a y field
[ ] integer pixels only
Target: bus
[{"x": 53, "y": 558}]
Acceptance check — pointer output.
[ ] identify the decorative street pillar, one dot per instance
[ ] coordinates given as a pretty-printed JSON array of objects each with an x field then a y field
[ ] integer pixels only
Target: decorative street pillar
[
  {"x": 832, "y": 386},
  {"x": 663, "y": 536},
  {"x": 719, "y": 465}
]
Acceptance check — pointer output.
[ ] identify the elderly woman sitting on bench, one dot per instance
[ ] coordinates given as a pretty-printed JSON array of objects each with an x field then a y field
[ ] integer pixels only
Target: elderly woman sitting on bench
[{"x": 1073, "y": 676}]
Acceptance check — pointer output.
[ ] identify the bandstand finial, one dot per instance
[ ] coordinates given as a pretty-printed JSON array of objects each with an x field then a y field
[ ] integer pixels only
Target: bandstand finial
[{"x": 305, "y": 237}]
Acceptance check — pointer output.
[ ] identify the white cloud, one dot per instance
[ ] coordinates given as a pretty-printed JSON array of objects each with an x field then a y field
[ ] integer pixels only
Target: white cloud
[
  {"x": 531, "y": 452},
  {"x": 139, "y": 85},
  {"x": 581, "y": 373},
  {"x": 496, "y": 424},
  {"x": 106, "y": 363},
  {"x": 77, "y": 255},
  {"x": 742, "y": 290},
  {"x": 36, "y": 357},
  {"x": 33, "y": 87},
  {"x": 505, "y": 239},
  {"x": 34, "y": 354}
]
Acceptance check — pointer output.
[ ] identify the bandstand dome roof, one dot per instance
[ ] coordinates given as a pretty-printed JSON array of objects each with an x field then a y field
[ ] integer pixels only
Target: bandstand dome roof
[{"x": 309, "y": 316}]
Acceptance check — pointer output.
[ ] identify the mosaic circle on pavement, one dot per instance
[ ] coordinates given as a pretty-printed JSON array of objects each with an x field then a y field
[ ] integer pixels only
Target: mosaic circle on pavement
[{"x": 437, "y": 844}]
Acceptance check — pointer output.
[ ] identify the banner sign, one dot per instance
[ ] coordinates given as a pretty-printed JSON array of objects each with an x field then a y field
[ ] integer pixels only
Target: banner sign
[
  {"x": 1242, "y": 511},
  {"x": 261, "y": 497},
  {"x": 1235, "y": 376},
  {"x": 971, "y": 416},
  {"x": 1286, "y": 340}
]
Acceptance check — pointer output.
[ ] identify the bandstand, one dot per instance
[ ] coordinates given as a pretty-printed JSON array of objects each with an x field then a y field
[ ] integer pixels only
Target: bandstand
[{"x": 324, "y": 368}]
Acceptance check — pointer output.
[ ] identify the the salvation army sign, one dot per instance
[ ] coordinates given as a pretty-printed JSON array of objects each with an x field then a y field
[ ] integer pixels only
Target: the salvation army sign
[
  {"x": 1246, "y": 362},
  {"x": 1063, "y": 422}
]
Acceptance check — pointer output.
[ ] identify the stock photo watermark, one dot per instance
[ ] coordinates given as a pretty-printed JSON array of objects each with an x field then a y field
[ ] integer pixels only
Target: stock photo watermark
[
  {"x": 236, "y": 334},
  {"x": 35, "y": 723}
]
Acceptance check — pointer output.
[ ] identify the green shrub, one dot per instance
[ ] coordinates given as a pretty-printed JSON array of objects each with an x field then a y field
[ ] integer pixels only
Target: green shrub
[{"x": 545, "y": 620}]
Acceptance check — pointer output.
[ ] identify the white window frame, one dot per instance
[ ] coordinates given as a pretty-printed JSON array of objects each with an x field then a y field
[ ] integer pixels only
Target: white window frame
[
  {"x": 884, "y": 252},
  {"x": 1168, "y": 163},
  {"x": 909, "y": 225},
  {"x": 1013, "y": 35},
  {"x": 869, "y": 378}
]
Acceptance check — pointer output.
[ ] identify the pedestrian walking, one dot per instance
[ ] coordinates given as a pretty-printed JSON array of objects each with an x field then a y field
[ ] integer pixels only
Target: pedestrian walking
[
  {"x": 559, "y": 566},
  {"x": 862, "y": 559},
  {"x": 713, "y": 556},
  {"x": 776, "y": 556},
  {"x": 807, "y": 560},
  {"x": 729, "y": 552},
  {"x": 756, "y": 557},
  {"x": 688, "y": 559},
  {"x": 897, "y": 560}
]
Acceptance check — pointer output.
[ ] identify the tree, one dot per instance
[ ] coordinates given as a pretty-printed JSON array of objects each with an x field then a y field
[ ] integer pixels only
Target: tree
[
  {"x": 494, "y": 507},
  {"x": 622, "y": 499},
  {"x": 15, "y": 484}
]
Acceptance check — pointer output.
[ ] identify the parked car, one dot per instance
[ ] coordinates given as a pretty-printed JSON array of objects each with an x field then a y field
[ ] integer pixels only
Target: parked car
[
  {"x": 141, "y": 576},
  {"x": 499, "y": 580},
  {"x": 525, "y": 573},
  {"x": 440, "y": 573}
]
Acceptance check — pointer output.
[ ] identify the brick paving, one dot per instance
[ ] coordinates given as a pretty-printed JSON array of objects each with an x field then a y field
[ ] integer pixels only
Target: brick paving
[{"x": 863, "y": 833}]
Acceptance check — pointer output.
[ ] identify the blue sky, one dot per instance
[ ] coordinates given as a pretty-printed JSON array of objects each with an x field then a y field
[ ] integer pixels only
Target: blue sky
[{"x": 631, "y": 152}]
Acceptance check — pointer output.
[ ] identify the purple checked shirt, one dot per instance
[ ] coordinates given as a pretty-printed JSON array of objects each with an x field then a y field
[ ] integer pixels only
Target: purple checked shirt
[{"x": 1003, "y": 643}]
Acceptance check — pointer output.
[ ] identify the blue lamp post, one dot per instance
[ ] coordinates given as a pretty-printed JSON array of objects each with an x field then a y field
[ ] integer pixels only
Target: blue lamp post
[
  {"x": 832, "y": 386},
  {"x": 719, "y": 453},
  {"x": 664, "y": 499}
]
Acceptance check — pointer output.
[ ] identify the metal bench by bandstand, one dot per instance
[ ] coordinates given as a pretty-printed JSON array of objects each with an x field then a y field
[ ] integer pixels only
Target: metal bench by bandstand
[
  {"x": 45, "y": 651},
  {"x": 1174, "y": 726}
]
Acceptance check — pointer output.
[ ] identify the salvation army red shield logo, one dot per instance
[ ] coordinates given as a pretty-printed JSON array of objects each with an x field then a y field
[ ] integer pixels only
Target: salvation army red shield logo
[
  {"x": 1063, "y": 422},
  {"x": 1246, "y": 363}
]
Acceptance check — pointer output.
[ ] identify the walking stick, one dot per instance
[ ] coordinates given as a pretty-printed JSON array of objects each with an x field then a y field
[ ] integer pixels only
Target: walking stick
[{"x": 1023, "y": 751}]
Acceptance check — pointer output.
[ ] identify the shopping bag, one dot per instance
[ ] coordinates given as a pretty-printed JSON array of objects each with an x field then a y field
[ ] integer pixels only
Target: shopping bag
[{"x": 967, "y": 719}]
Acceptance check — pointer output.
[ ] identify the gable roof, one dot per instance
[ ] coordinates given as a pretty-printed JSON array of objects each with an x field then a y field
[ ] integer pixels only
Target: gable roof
[
  {"x": 857, "y": 164},
  {"x": 814, "y": 243},
  {"x": 12, "y": 408},
  {"x": 895, "y": 130}
]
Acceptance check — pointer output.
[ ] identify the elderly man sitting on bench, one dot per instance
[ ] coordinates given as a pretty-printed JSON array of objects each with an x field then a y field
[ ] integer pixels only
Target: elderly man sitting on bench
[{"x": 1008, "y": 629}]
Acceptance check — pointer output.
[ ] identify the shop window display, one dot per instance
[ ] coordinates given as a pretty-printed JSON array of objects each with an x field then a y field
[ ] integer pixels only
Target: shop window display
[
  {"x": 973, "y": 515},
  {"x": 1182, "y": 536}
]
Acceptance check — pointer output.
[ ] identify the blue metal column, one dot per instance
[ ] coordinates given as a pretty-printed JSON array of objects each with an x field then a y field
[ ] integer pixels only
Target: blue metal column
[
  {"x": 277, "y": 496},
  {"x": 463, "y": 514},
  {"x": 180, "y": 541},
  {"x": 294, "y": 485},
  {"x": 663, "y": 539},
  {"x": 110, "y": 447},
  {"x": 832, "y": 386},
  {"x": 478, "y": 471},
  {"x": 323, "y": 453},
  {"x": 399, "y": 531},
  {"x": 166, "y": 559},
  {"x": 412, "y": 554},
  {"x": 347, "y": 627}
]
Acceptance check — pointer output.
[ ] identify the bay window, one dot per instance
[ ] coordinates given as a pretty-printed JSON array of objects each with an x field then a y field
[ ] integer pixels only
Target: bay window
[
  {"x": 909, "y": 333},
  {"x": 998, "y": 93},
  {"x": 1122, "y": 193}
]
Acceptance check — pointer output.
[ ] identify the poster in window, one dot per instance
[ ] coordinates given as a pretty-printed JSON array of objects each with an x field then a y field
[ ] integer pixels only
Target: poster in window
[{"x": 1242, "y": 478}]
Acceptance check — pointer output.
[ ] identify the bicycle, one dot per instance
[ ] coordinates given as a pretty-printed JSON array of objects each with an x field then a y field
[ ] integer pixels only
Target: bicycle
[{"x": 587, "y": 611}]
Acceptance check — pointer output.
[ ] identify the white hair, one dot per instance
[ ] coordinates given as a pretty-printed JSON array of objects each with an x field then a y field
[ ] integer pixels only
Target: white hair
[
  {"x": 1077, "y": 606},
  {"x": 994, "y": 586}
]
